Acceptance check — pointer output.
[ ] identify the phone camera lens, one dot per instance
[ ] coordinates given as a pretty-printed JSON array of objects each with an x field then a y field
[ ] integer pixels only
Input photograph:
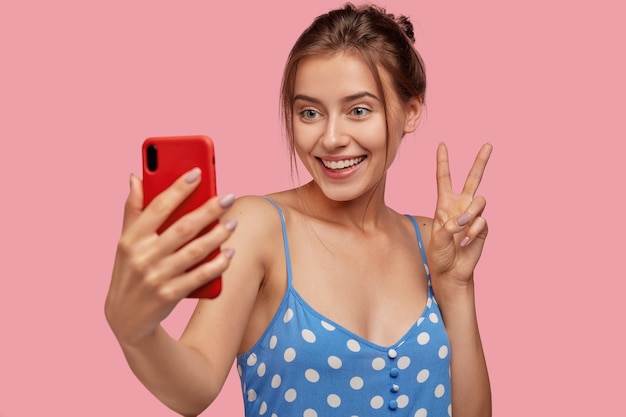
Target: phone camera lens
[{"x": 151, "y": 158}]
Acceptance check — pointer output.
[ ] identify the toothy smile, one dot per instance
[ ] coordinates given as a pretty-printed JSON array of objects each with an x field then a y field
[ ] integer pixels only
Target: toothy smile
[{"x": 346, "y": 163}]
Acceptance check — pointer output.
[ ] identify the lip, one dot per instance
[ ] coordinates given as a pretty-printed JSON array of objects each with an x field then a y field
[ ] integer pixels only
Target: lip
[{"x": 344, "y": 172}]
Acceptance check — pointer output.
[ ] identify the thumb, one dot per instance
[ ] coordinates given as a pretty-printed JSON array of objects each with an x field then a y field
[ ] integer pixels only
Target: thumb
[{"x": 134, "y": 202}]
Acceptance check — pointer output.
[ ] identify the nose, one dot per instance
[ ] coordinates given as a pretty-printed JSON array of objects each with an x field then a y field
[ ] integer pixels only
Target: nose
[{"x": 334, "y": 135}]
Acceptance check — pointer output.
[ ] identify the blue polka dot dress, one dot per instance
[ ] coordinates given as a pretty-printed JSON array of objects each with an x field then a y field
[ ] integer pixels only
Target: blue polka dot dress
[{"x": 306, "y": 365}]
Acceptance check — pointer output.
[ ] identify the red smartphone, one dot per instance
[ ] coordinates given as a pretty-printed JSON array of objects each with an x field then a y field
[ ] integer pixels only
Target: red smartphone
[{"x": 165, "y": 159}]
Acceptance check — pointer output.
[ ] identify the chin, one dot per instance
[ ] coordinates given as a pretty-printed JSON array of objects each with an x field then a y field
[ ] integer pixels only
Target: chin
[{"x": 344, "y": 194}]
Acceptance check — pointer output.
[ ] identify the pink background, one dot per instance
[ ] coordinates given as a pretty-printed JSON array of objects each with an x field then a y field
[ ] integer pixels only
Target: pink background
[{"x": 83, "y": 83}]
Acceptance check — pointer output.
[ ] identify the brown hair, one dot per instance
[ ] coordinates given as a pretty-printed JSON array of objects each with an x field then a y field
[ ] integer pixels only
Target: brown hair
[{"x": 381, "y": 39}]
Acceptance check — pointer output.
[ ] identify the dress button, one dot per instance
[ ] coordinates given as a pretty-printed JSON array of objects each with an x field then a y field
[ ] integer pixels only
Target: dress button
[
  {"x": 393, "y": 404},
  {"x": 392, "y": 353},
  {"x": 395, "y": 388},
  {"x": 394, "y": 372}
]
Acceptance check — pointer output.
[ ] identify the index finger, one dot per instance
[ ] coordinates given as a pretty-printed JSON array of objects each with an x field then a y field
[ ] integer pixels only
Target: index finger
[
  {"x": 444, "y": 183},
  {"x": 478, "y": 168},
  {"x": 163, "y": 204}
]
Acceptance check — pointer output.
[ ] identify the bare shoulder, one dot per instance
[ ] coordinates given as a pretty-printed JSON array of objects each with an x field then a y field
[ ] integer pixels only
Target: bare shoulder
[
  {"x": 251, "y": 205},
  {"x": 256, "y": 210},
  {"x": 258, "y": 224},
  {"x": 425, "y": 225}
]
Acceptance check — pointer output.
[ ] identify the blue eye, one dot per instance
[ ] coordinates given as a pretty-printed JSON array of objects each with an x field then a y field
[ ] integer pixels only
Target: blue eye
[{"x": 360, "y": 111}]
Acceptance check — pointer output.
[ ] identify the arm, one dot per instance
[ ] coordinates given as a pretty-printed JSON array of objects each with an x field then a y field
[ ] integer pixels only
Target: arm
[
  {"x": 179, "y": 376},
  {"x": 456, "y": 242},
  {"x": 149, "y": 279},
  {"x": 471, "y": 392}
]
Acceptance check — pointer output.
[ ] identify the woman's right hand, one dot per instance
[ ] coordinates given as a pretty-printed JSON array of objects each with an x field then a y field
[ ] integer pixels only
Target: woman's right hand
[{"x": 150, "y": 273}]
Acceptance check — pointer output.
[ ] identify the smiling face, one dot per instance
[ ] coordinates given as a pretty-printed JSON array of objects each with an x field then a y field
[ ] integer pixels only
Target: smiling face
[{"x": 340, "y": 126}]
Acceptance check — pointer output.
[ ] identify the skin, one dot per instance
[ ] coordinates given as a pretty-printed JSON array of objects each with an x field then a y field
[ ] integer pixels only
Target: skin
[{"x": 355, "y": 260}]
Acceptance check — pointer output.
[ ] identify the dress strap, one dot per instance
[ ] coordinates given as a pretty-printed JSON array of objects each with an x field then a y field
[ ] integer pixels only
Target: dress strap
[
  {"x": 285, "y": 241},
  {"x": 421, "y": 245}
]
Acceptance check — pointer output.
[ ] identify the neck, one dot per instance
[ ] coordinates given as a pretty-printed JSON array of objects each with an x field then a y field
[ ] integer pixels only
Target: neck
[{"x": 366, "y": 212}]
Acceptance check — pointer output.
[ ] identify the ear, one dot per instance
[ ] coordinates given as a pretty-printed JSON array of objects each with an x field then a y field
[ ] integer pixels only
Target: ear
[{"x": 413, "y": 114}]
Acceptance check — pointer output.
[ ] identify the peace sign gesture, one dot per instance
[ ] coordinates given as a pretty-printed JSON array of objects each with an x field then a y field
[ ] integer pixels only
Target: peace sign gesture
[{"x": 459, "y": 230}]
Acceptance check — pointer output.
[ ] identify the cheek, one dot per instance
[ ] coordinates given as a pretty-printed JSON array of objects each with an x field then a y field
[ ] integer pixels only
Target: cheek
[
  {"x": 303, "y": 144},
  {"x": 371, "y": 137},
  {"x": 305, "y": 136}
]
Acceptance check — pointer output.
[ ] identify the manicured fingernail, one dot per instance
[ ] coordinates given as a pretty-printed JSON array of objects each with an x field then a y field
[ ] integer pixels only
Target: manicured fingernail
[
  {"x": 465, "y": 241},
  {"x": 230, "y": 224},
  {"x": 227, "y": 200},
  {"x": 463, "y": 219},
  {"x": 229, "y": 253},
  {"x": 193, "y": 175}
]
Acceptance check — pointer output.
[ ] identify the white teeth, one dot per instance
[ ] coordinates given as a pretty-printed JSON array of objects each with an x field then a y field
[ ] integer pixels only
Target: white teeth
[{"x": 342, "y": 164}]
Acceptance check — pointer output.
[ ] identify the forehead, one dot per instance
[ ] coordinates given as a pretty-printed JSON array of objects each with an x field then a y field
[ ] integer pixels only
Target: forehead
[{"x": 339, "y": 74}]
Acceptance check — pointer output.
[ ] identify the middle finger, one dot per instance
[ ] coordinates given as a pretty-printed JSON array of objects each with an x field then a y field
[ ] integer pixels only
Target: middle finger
[{"x": 478, "y": 168}]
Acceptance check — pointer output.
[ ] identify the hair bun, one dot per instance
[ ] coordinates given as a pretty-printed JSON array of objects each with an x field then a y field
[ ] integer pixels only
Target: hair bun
[{"x": 406, "y": 26}]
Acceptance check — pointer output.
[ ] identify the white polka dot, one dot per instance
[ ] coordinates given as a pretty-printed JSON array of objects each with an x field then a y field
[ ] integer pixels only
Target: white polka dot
[
  {"x": 309, "y": 412},
  {"x": 450, "y": 410},
  {"x": 274, "y": 415},
  {"x": 327, "y": 326},
  {"x": 273, "y": 341},
  {"x": 423, "y": 338},
  {"x": 420, "y": 321},
  {"x": 439, "y": 390},
  {"x": 263, "y": 408},
  {"x": 421, "y": 413},
  {"x": 251, "y": 360},
  {"x": 290, "y": 395},
  {"x": 288, "y": 315},
  {"x": 427, "y": 270},
  {"x": 289, "y": 355},
  {"x": 312, "y": 375},
  {"x": 276, "y": 380},
  {"x": 239, "y": 371},
  {"x": 403, "y": 401},
  {"x": 429, "y": 303},
  {"x": 353, "y": 345},
  {"x": 376, "y": 402},
  {"x": 356, "y": 383},
  {"x": 251, "y": 395},
  {"x": 333, "y": 400},
  {"x": 308, "y": 336},
  {"x": 260, "y": 371},
  {"x": 404, "y": 362},
  {"x": 334, "y": 362},
  {"x": 423, "y": 375},
  {"x": 433, "y": 317},
  {"x": 443, "y": 352},
  {"x": 378, "y": 364}
]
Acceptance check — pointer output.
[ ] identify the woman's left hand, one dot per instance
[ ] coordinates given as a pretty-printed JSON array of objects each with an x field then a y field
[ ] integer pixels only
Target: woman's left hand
[{"x": 459, "y": 230}]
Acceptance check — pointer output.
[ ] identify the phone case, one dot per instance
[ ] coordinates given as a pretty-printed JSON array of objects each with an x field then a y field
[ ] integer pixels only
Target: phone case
[{"x": 165, "y": 159}]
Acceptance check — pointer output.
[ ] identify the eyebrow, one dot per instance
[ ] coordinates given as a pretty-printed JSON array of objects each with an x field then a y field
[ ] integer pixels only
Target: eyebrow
[{"x": 346, "y": 99}]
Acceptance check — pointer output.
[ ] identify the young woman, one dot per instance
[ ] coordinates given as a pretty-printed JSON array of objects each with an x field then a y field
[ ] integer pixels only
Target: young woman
[{"x": 333, "y": 304}]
